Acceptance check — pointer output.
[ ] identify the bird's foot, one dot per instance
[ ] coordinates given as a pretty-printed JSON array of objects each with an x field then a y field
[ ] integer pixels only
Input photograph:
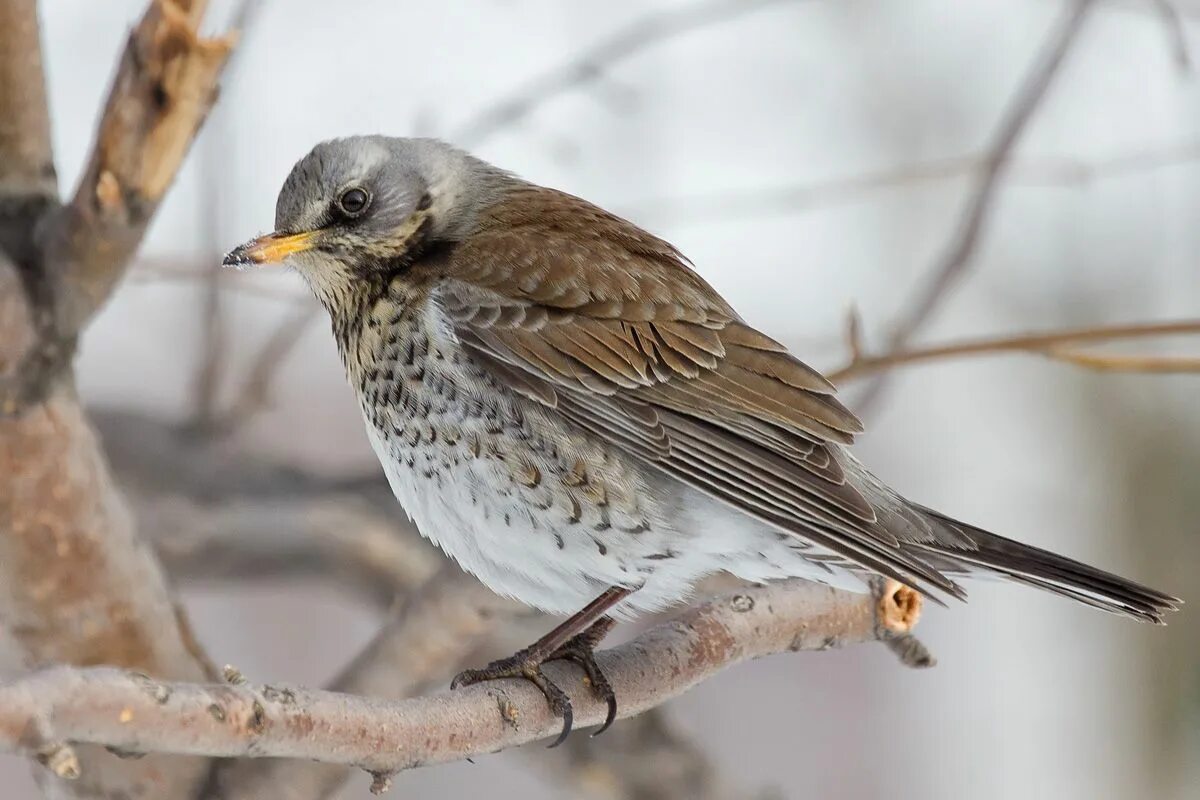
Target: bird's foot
[
  {"x": 527, "y": 664},
  {"x": 524, "y": 664},
  {"x": 581, "y": 650}
]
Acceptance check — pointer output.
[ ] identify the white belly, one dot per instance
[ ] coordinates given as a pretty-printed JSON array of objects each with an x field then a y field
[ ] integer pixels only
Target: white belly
[{"x": 542, "y": 561}]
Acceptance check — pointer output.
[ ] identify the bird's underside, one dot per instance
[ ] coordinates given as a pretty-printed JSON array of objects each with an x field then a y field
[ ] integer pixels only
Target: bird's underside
[{"x": 569, "y": 410}]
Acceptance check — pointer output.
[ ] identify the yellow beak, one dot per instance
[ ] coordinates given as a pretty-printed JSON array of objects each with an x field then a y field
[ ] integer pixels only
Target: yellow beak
[{"x": 270, "y": 249}]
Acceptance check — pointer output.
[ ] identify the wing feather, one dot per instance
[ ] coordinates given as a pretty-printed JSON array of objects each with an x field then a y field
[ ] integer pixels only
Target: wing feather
[{"x": 611, "y": 328}]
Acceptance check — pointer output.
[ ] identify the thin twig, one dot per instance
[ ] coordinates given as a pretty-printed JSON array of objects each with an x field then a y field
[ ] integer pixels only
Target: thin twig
[
  {"x": 214, "y": 339},
  {"x": 963, "y": 244},
  {"x": 328, "y": 536},
  {"x": 590, "y": 66},
  {"x": 1060, "y": 345},
  {"x": 1107, "y": 362},
  {"x": 135, "y": 714},
  {"x": 562, "y": 78},
  {"x": 255, "y": 393},
  {"x": 1173, "y": 24},
  {"x": 1033, "y": 171}
]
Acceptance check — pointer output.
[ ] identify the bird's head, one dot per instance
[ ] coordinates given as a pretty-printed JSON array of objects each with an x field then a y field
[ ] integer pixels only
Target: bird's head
[{"x": 360, "y": 208}]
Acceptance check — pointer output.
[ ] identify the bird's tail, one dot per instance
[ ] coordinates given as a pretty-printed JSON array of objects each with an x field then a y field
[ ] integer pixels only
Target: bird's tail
[{"x": 1041, "y": 568}]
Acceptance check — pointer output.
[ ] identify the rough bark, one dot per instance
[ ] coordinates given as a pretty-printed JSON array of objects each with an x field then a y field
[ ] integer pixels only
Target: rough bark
[
  {"x": 77, "y": 586},
  {"x": 132, "y": 713}
]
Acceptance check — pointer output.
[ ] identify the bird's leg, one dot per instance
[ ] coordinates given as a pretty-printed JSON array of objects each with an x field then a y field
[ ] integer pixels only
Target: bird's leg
[
  {"x": 581, "y": 649},
  {"x": 574, "y": 639}
]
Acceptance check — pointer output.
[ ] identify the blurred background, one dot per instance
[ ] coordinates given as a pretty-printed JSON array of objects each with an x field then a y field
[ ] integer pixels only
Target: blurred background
[{"x": 809, "y": 156}]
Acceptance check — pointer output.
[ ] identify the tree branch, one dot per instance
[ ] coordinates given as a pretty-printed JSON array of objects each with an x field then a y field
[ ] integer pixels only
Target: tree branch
[
  {"x": 430, "y": 635},
  {"x": 166, "y": 82},
  {"x": 644, "y": 757},
  {"x": 132, "y": 713},
  {"x": 591, "y": 64},
  {"x": 579, "y": 72},
  {"x": 1032, "y": 171},
  {"x": 963, "y": 244},
  {"x": 1059, "y": 345},
  {"x": 331, "y": 536},
  {"x": 76, "y": 584},
  {"x": 26, "y": 159}
]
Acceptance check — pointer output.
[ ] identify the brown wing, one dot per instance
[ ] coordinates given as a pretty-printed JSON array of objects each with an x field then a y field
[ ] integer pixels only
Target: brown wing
[{"x": 584, "y": 312}]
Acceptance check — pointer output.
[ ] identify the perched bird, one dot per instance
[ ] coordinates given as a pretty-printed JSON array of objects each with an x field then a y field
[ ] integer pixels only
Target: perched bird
[{"x": 564, "y": 406}]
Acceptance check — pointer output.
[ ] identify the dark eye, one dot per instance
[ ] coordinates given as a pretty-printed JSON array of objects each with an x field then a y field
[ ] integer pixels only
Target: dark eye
[{"x": 353, "y": 202}]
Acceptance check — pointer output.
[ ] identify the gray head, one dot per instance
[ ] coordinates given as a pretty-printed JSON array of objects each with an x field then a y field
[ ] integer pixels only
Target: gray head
[{"x": 363, "y": 206}]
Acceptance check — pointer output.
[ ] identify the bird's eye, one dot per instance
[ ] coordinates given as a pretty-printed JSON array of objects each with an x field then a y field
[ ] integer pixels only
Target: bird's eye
[{"x": 353, "y": 202}]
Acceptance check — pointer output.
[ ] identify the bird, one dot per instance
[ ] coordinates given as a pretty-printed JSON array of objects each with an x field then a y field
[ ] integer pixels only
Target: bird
[{"x": 563, "y": 405}]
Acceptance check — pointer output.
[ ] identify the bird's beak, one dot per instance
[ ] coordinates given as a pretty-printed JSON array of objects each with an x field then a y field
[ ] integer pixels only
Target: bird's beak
[{"x": 270, "y": 249}]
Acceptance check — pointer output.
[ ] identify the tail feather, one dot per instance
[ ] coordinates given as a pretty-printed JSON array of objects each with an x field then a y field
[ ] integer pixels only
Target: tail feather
[{"x": 1043, "y": 569}]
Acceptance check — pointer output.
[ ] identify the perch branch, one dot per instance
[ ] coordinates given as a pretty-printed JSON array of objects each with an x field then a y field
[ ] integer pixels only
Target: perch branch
[
  {"x": 964, "y": 242},
  {"x": 42, "y": 713},
  {"x": 1059, "y": 345},
  {"x": 431, "y": 634}
]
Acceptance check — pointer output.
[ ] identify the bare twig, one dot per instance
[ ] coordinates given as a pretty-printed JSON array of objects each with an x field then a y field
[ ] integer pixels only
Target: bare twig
[
  {"x": 255, "y": 393},
  {"x": 330, "y": 536},
  {"x": 592, "y": 63},
  {"x": 1059, "y": 345},
  {"x": 1109, "y": 362},
  {"x": 214, "y": 345},
  {"x": 1031, "y": 171},
  {"x": 562, "y": 78},
  {"x": 644, "y": 757},
  {"x": 136, "y": 714},
  {"x": 951, "y": 266},
  {"x": 1173, "y": 24}
]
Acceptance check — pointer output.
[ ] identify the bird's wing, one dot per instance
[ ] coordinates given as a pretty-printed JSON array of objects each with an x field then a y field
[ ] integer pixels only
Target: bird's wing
[{"x": 586, "y": 313}]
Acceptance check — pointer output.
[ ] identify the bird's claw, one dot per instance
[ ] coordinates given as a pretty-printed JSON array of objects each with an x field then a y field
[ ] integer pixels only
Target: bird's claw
[{"x": 525, "y": 664}]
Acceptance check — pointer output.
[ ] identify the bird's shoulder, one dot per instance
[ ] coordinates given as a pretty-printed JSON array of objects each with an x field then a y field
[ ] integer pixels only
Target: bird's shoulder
[{"x": 554, "y": 249}]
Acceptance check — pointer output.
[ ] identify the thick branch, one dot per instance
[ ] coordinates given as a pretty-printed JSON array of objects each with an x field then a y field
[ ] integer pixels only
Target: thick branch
[
  {"x": 965, "y": 240},
  {"x": 431, "y": 634},
  {"x": 135, "y": 714},
  {"x": 26, "y": 159},
  {"x": 76, "y": 585},
  {"x": 165, "y": 84}
]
